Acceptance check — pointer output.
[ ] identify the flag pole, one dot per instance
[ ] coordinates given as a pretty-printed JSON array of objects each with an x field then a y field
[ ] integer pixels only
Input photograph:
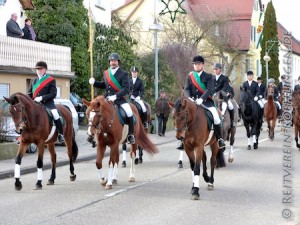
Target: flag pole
[{"x": 91, "y": 48}]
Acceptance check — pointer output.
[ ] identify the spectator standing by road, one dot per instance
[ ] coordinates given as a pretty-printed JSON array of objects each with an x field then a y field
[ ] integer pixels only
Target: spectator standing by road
[
  {"x": 28, "y": 31},
  {"x": 12, "y": 27},
  {"x": 162, "y": 111}
]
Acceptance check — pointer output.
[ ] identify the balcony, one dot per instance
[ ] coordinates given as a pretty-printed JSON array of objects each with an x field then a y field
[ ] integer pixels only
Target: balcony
[{"x": 17, "y": 52}]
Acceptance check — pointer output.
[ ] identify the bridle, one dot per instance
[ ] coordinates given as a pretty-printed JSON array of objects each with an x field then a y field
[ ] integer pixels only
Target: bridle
[
  {"x": 186, "y": 125},
  {"x": 19, "y": 110}
]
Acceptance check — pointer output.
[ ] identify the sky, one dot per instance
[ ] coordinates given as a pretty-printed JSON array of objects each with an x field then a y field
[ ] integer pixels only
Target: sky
[{"x": 287, "y": 13}]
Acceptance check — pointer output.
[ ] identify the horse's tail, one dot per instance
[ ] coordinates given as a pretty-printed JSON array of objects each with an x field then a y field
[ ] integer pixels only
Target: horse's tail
[
  {"x": 74, "y": 149},
  {"x": 144, "y": 141}
]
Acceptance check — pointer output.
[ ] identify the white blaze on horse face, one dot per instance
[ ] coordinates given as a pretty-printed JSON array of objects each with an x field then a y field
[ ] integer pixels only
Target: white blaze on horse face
[{"x": 91, "y": 118}]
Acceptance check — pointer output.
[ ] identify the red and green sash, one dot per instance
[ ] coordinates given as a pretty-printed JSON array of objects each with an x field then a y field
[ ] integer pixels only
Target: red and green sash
[
  {"x": 195, "y": 78},
  {"x": 41, "y": 84},
  {"x": 113, "y": 82}
]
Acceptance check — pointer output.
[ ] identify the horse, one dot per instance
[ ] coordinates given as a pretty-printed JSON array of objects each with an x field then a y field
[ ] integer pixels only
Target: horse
[
  {"x": 270, "y": 112},
  {"x": 32, "y": 122},
  {"x": 252, "y": 117},
  {"x": 191, "y": 125},
  {"x": 296, "y": 117},
  {"x": 228, "y": 132},
  {"x": 104, "y": 122},
  {"x": 139, "y": 159}
]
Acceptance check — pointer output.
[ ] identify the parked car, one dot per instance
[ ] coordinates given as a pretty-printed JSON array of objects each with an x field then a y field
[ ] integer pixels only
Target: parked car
[
  {"x": 79, "y": 106},
  {"x": 8, "y": 133}
]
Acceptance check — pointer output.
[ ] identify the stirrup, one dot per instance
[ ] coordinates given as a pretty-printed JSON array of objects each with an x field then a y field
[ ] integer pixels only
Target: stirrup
[
  {"x": 131, "y": 139},
  {"x": 221, "y": 143},
  {"x": 233, "y": 124},
  {"x": 61, "y": 138},
  {"x": 146, "y": 125},
  {"x": 180, "y": 146}
]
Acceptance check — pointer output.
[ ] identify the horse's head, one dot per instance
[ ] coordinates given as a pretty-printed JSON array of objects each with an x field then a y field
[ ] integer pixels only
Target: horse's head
[
  {"x": 245, "y": 96},
  {"x": 270, "y": 91},
  {"x": 18, "y": 113},
  {"x": 182, "y": 113},
  {"x": 218, "y": 99}
]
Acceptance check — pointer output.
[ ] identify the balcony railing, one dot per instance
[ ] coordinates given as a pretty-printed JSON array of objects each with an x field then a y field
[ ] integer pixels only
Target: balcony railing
[{"x": 25, "y": 53}]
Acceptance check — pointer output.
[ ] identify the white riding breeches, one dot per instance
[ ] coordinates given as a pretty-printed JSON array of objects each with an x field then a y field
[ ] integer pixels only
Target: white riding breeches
[
  {"x": 215, "y": 114},
  {"x": 230, "y": 105},
  {"x": 261, "y": 103},
  {"x": 278, "y": 103},
  {"x": 224, "y": 107},
  {"x": 141, "y": 103},
  {"x": 127, "y": 109},
  {"x": 55, "y": 114}
]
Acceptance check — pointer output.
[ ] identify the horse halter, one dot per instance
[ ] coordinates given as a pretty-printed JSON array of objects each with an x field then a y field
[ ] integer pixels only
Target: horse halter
[
  {"x": 19, "y": 109},
  {"x": 186, "y": 125}
]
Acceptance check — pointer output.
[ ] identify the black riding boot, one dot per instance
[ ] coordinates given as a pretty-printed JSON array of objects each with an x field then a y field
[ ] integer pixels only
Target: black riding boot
[
  {"x": 144, "y": 119},
  {"x": 60, "y": 131},
  {"x": 231, "y": 113},
  {"x": 218, "y": 133},
  {"x": 131, "y": 138}
]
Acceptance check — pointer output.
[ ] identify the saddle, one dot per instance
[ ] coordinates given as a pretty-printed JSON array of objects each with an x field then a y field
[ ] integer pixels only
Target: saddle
[
  {"x": 51, "y": 119},
  {"x": 123, "y": 116},
  {"x": 139, "y": 107},
  {"x": 209, "y": 117}
]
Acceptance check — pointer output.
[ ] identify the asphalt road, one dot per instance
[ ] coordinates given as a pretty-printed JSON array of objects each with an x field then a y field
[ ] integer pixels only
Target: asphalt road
[{"x": 248, "y": 191}]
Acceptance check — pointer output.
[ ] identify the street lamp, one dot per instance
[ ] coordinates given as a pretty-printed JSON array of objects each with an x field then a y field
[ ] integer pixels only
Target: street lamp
[
  {"x": 156, "y": 27},
  {"x": 267, "y": 58}
]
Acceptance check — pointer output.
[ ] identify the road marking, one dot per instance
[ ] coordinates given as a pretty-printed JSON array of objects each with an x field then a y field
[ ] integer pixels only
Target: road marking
[{"x": 263, "y": 140}]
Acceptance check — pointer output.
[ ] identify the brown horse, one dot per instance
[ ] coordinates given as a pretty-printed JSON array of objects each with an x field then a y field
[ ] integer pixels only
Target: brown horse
[
  {"x": 191, "y": 127},
  {"x": 139, "y": 157},
  {"x": 105, "y": 124},
  {"x": 228, "y": 132},
  {"x": 270, "y": 112},
  {"x": 32, "y": 122},
  {"x": 296, "y": 117}
]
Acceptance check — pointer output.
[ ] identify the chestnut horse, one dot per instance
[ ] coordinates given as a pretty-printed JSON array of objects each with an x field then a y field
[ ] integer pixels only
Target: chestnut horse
[
  {"x": 296, "y": 117},
  {"x": 32, "y": 122},
  {"x": 139, "y": 157},
  {"x": 228, "y": 132},
  {"x": 192, "y": 128},
  {"x": 105, "y": 124},
  {"x": 270, "y": 112}
]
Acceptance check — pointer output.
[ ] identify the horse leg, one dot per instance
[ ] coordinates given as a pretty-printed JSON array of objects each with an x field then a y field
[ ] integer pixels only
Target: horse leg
[
  {"x": 232, "y": 139},
  {"x": 254, "y": 136},
  {"x": 296, "y": 132},
  {"x": 112, "y": 166},
  {"x": 140, "y": 155},
  {"x": 133, "y": 149},
  {"x": 214, "y": 152},
  {"x": 180, "y": 164},
  {"x": 41, "y": 148},
  {"x": 248, "y": 135},
  {"x": 100, "y": 152},
  {"x": 72, "y": 149},
  {"x": 53, "y": 161},
  {"x": 21, "y": 151},
  {"x": 204, "y": 174},
  {"x": 124, "y": 154},
  {"x": 198, "y": 158}
]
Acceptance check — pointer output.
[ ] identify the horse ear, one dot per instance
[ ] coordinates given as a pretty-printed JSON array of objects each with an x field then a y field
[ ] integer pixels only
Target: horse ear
[
  {"x": 7, "y": 100},
  {"x": 86, "y": 102}
]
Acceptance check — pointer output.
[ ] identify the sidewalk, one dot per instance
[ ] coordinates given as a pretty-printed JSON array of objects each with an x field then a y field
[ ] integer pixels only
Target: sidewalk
[{"x": 85, "y": 152}]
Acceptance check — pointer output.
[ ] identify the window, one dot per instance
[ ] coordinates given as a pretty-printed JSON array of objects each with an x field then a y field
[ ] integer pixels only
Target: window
[
  {"x": 58, "y": 95},
  {"x": 4, "y": 91},
  {"x": 248, "y": 67}
]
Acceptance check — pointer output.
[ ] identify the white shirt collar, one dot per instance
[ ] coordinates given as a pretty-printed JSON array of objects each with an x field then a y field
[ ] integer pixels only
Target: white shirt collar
[
  {"x": 199, "y": 73},
  {"x": 134, "y": 79},
  {"x": 217, "y": 76},
  {"x": 249, "y": 82},
  {"x": 113, "y": 71}
]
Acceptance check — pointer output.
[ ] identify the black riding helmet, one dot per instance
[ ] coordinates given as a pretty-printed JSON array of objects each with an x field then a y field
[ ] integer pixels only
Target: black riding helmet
[
  {"x": 114, "y": 56},
  {"x": 41, "y": 64}
]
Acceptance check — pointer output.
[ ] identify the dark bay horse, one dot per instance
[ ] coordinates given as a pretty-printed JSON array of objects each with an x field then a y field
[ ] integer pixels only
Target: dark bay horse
[
  {"x": 139, "y": 157},
  {"x": 32, "y": 122},
  {"x": 270, "y": 112},
  {"x": 228, "y": 132},
  {"x": 252, "y": 117},
  {"x": 106, "y": 126},
  {"x": 296, "y": 117},
  {"x": 191, "y": 127}
]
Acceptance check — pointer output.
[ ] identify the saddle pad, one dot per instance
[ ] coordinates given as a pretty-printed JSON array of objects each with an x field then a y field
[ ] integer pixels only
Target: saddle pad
[
  {"x": 123, "y": 117},
  {"x": 209, "y": 118}
]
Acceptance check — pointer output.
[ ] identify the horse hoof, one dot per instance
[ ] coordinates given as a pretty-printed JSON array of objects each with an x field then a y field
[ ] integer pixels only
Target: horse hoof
[
  {"x": 108, "y": 186},
  {"x": 114, "y": 182},
  {"x": 255, "y": 146},
  {"x": 230, "y": 160},
  {"x": 136, "y": 161},
  {"x": 210, "y": 186},
  {"x": 140, "y": 160},
  {"x": 131, "y": 179},
  {"x": 50, "y": 182},
  {"x": 103, "y": 181},
  {"x": 73, "y": 177},
  {"x": 123, "y": 164},
  {"x": 249, "y": 147},
  {"x": 195, "y": 197},
  {"x": 18, "y": 187},
  {"x": 38, "y": 187},
  {"x": 180, "y": 165}
]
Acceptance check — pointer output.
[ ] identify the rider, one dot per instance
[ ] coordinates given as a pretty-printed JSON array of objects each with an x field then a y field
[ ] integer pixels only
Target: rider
[
  {"x": 271, "y": 82},
  {"x": 262, "y": 88},
  {"x": 252, "y": 86},
  {"x": 137, "y": 93},
  {"x": 199, "y": 86},
  {"x": 222, "y": 84},
  {"x": 281, "y": 84},
  {"x": 116, "y": 83},
  {"x": 297, "y": 86},
  {"x": 43, "y": 89}
]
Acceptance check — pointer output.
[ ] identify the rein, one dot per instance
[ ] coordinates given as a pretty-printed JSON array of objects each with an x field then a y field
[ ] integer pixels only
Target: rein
[
  {"x": 22, "y": 119},
  {"x": 186, "y": 125}
]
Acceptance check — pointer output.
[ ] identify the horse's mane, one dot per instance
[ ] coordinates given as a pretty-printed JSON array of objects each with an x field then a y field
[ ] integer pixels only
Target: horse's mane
[{"x": 16, "y": 97}]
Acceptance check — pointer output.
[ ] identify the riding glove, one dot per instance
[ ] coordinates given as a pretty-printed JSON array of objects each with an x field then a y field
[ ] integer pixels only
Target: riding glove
[
  {"x": 38, "y": 99},
  {"x": 112, "y": 98},
  {"x": 199, "y": 101},
  {"x": 92, "y": 80},
  {"x": 255, "y": 98},
  {"x": 137, "y": 98},
  {"x": 191, "y": 99}
]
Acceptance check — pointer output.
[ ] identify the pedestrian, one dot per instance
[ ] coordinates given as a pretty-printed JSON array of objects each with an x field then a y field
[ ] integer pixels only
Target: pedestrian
[
  {"x": 42, "y": 89},
  {"x": 137, "y": 93},
  {"x": 28, "y": 31},
  {"x": 162, "y": 110},
  {"x": 116, "y": 84},
  {"x": 297, "y": 86},
  {"x": 199, "y": 86},
  {"x": 221, "y": 83},
  {"x": 12, "y": 27}
]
